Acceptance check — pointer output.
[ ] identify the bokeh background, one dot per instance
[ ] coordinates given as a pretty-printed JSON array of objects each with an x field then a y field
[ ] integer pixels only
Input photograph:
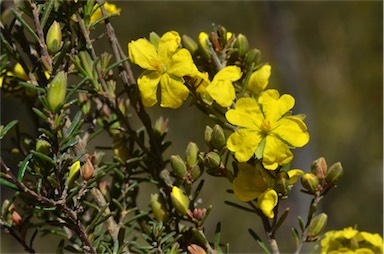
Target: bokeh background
[{"x": 329, "y": 56}]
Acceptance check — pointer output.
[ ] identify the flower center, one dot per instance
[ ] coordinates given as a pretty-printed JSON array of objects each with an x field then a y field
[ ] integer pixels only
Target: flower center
[
  {"x": 265, "y": 126},
  {"x": 158, "y": 65}
]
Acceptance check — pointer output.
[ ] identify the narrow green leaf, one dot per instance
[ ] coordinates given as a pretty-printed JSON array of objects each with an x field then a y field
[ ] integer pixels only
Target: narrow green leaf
[
  {"x": 260, "y": 149},
  {"x": 23, "y": 167},
  {"x": 301, "y": 223},
  {"x": 71, "y": 91},
  {"x": 259, "y": 241},
  {"x": 33, "y": 87},
  {"x": 8, "y": 184},
  {"x": 46, "y": 13},
  {"x": 116, "y": 64},
  {"x": 5, "y": 129},
  {"x": 169, "y": 236},
  {"x": 143, "y": 214},
  {"x": 25, "y": 25},
  {"x": 296, "y": 236},
  {"x": 281, "y": 220},
  {"x": 43, "y": 157},
  {"x": 75, "y": 122},
  {"x": 69, "y": 145},
  {"x": 239, "y": 206},
  {"x": 198, "y": 189},
  {"x": 217, "y": 238},
  {"x": 94, "y": 221},
  {"x": 40, "y": 114},
  {"x": 118, "y": 204}
]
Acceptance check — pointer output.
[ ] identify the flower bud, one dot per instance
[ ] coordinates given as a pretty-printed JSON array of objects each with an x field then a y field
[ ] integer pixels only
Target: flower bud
[
  {"x": 16, "y": 218},
  {"x": 54, "y": 38},
  {"x": 159, "y": 207},
  {"x": 178, "y": 166},
  {"x": 282, "y": 183},
  {"x": 203, "y": 46},
  {"x": 218, "y": 137},
  {"x": 179, "y": 200},
  {"x": 317, "y": 224},
  {"x": 57, "y": 90},
  {"x": 74, "y": 171},
  {"x": 196, "y": 249},
  {"x": 223, "y": 35},
  {"x": 310, "y": 182},
  {"x": 212, "y": 160},
  {"x": 189, "y": 44},
  {"x": 161, "y": 126},
  {"x": 335, "y": 172},
  {"x": 208, "y": 135},
  {"x": 192, "y": 154},
  {"x": 43, "y": 146},
  {"x": 253, "y": 57},
  {"x": 154, "y": 38},
  {"x": 319, "y": 168},
  {"x": 87, "y": 170},
  {"x": 241, "y": 44},
  {"x": 195, "y": 172}
]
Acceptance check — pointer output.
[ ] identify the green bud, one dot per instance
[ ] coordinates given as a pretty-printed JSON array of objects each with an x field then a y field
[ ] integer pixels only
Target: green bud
[
  {"x": 282, "y": 183},
  {"x": 253, "y": 57},
  {"x": 212, "y": 160},
  {"x": 43, "y": 146},
  {"x": 159, "y": 208},
  {"x": 178, "y": 166},
  {"x": 189, "y": 44},
  {"x": 310, "y": 182},
  {"x": 154, "y": 38},
  {"x": 218, "y": 137},
  {"x": 319, "y": 168},
  {"x": 161, "y": 126},
  {"x": 208, "y": 135},
  {"x": 57, "y": 90},
  {"x": 222, "y": 32},
  {"x": 204, "y": 48},
  {"x": 54, "y": 37},
  {"x": 192, "y": 154},
  {"x": 179, "y": 200},
  {"x": 195, "y": 172},
  {"x": 317, "y": 224},
  {"x": 241, "y": 44},
  {"x": 335, "y": 172},
  {"x": 198, "y": 236}
]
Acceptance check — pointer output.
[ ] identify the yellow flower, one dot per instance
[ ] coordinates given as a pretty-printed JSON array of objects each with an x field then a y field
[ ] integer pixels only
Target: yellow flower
[
  {"x": 352, "y": 241},
  {"x": 110, "y": 8},
  {"x": 253, "y": 182},
  {"x": 259, "y": 79},
  {"x": 221, "y": 88},
  {"x": 166, "y": 65},
  {"x": 179, "y": 200},
  {"x": 266, "y": 124}
]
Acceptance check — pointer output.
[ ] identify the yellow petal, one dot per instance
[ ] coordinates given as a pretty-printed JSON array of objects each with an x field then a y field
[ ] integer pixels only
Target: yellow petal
[
  {"x": 143, "y": 53},
  {"x": 110, "y": 8},
  {"x": 294, "y": 174},
  {"x": 231, "y": 73},
  {"x": 168, "y": 45},
  {"x": 259, "y": 79},
  {"x": 173, "y": 92},
  {"x": 244, "y": 143},
  {"x": 292, "y": 130},
  {"x": 221, "y": 88},
  {"x": 19, "y": 72},
  {"x": 181, "y": 64},
  {"x": 248, "y": 184},
  {"x": 374, "y": 239},
  {"x": 247, "y": 114},
  {"x": 276, "y": 152},
  {"x": 267, "y": 202},
  {"x": 273, "y": 106},
  {"x": 147, "y": 84}
]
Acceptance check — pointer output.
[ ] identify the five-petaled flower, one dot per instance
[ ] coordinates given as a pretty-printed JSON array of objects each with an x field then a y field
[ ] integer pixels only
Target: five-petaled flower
[
  {"x": 268, "y": 124},
  {"x": 254, "y": 182},
  {"x": 166, "y": 65}
]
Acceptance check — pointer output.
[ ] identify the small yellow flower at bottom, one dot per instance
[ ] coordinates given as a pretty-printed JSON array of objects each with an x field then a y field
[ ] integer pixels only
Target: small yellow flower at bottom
[{"x": 350, "y": 240}]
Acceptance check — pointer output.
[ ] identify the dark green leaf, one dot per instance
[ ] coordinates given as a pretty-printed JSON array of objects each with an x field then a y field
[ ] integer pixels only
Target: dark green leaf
[
  {"x": 46, "y": 13},
  {"x": 95, "y": 220},
  {"x": 296, "y": 236},
  {"x": 239, "y": 206},
  {"x": 75, "y": 123},
  {"x": 68, "y": 145},
  {"x": 43, "y": 157},
  {"x": 24, "y": 24},
  {"x": 301, "y": 223},
  {"x": 8, "y": 184},
  {"x": 281, "y": 220},
  {"x": 40, "y": 114},
  {"x": 217, "y": 238},
  {"x": 5, "y": 129},
  {"x": 23, "y": 167},
  {"x": 30, "y": 86}
]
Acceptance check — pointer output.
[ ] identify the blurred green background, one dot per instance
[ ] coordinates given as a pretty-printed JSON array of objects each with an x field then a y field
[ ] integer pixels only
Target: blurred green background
[{"x": 329, "y": 56}]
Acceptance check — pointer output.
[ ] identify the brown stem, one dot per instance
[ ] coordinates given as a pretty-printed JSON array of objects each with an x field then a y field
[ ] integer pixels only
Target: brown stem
[{"x": 78, "y": 227}]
